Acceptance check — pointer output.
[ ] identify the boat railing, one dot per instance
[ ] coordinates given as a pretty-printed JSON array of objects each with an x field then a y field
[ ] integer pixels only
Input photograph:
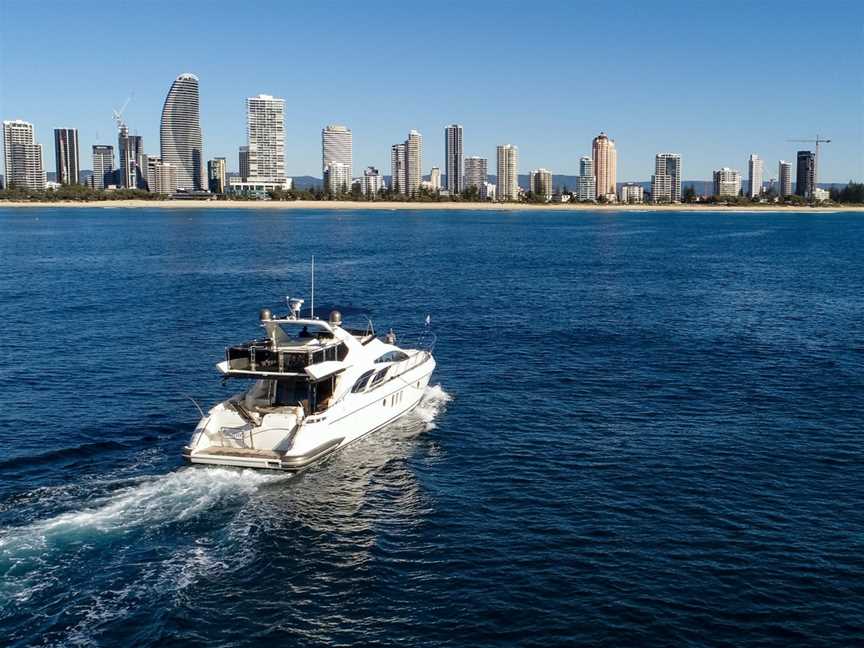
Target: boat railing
[{"x": 423, "y": 341}]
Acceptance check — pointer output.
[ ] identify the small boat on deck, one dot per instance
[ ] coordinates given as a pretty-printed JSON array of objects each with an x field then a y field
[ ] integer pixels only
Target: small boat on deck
[{"x": 316, "y": 386}]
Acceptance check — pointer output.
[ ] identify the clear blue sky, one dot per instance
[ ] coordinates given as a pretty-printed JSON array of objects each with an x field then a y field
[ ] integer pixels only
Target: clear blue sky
[{"x": 714, "y": 81}]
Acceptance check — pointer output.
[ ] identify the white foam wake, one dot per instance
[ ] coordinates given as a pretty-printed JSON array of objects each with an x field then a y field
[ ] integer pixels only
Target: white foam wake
[
  {"x": 433, "y": 403},
  {"x": 169, "y": 498}
]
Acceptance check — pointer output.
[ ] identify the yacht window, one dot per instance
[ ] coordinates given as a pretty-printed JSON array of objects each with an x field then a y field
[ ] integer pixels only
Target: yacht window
[
  {"x": 290, "y": 392},
  {"x": 380, "y": 376},
  {"x": 258, "y": 395},
  {"x": 360, "y": 385},
  {"x": 392, "y": 356}
]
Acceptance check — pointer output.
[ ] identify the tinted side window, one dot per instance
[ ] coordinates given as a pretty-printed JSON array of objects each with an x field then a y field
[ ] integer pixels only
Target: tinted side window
[
  {"x": 380, "y": 376},
  {"x": 361, "y": 381}
]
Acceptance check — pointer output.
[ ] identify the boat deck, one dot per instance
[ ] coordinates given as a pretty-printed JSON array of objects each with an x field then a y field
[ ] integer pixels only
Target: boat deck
[{"x": 242, "y": 452}]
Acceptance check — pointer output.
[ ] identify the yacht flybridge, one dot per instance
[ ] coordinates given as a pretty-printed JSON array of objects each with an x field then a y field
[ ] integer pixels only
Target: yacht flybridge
[{"x": 315, "y": 387}]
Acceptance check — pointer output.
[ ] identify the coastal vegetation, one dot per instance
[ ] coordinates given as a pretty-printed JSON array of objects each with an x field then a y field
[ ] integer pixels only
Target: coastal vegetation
[{"x": 850, "y": 194}]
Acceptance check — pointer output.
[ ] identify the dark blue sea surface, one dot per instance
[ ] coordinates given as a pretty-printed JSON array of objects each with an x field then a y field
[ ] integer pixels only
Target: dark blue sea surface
[{"x": 645, "y": 429}]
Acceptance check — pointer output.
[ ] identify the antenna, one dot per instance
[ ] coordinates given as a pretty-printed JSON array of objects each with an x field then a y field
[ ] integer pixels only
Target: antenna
[{"x": 312, "y": 301}]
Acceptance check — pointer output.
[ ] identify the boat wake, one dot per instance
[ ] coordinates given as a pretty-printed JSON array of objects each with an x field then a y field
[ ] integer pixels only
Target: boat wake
[{"x": 125, "y": 520}]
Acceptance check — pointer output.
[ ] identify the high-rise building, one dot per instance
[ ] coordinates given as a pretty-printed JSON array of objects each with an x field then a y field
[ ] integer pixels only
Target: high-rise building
[
  {"x": 666, "y": 181},
  {"x": 435, "y": 179},
  {"x": 103, "y": 166},
  {"x": 476, "y": 172},
  {"x": 337, "y": 178},
  {"x": 398, "y": 169},
  {"x": 586, "y": 181},
  {"x": 508, "y": 172},
  {"x": 805, "y": 179},
  {"x": 217, "y": 171},
  {"x": 785, "y": 178},
  {"x": 22, "y": 156},
  {"x": 605, "y": 165},
  {"x": 540, "y": 182},
  {"x": 631, "y": 193},
  {"x": 66, "y": 155},
  {"x": 161, "y": 176},
  {"x": 243, "y": 161},
  {"x": 727, "y": 182},
  {"x": 27, "y": 169},
  {"x": 180, "y": 133},
  {"x": 337, "y": 144},
  {"x": 414, "y": 161},
  {"x": 130, "y": 148},
  {"x": 372, "y": 182},
  {"x": 453, "y": 159},
  {"x": 265, "y": 131},
  {"x": 755, "y": 168}
]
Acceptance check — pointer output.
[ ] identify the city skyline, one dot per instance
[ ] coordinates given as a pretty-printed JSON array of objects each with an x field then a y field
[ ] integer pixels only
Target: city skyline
[{"x": 711, "y": 121}]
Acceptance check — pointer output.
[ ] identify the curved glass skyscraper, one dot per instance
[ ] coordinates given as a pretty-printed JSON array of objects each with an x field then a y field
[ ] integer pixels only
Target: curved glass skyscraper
[{"x": 180, "y": 133}]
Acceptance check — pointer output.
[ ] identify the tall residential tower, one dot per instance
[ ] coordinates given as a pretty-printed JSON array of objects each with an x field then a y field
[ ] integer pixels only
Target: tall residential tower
[
  {"x": 22, "y": 156},
  {"x": 508, "y": 173},
  {"x": 755, "y": 168},
  {"x": 180, "y": 133},
  {"x": 66, "y": 155},
  {"x": 605, "y": 165},
  {"x": 265, "y": 131},
  {"x": 453, "y": 159}
]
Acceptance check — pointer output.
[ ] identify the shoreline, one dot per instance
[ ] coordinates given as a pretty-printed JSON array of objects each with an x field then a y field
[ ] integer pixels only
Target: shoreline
[{"x": 334, "y": 205}]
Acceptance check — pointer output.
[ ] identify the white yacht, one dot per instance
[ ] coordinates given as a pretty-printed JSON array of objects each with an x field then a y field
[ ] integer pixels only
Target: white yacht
[{"x": 316, "y": 386}]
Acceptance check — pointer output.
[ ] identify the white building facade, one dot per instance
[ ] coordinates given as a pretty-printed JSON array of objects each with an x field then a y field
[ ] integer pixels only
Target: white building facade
[
  {"x": 265, "y": 132},
  {"x": 508, "y": 172}
]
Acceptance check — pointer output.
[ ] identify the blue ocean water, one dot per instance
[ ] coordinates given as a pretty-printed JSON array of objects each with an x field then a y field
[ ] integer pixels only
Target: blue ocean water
[{"x": 645, "y": 430}]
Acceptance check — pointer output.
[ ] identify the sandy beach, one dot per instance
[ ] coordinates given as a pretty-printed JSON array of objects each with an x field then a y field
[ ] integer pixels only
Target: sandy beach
[{"x": 410, "y": 206}]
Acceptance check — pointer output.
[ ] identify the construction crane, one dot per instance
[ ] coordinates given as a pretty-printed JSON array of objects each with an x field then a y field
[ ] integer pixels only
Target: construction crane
[
  {"x": 819, "y": 140},
  {"x": 118, "y": 114}
]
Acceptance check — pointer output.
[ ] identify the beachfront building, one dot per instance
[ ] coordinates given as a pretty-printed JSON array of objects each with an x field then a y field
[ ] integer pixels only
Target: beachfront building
[
  {"x": 217, "y": 172},
  {"x": 784, "y": 176},
  {"x": 265, "y": 137},
  {"x": 476, "y": 172},
  {"x": 337, "y": 178},
  {"x": 508, "y": 174},
  {"x": 489, "y": 191},
  {"x": 180, "y": 133},
  {"x": 103, "y": 166},
  {"x": 66, "y": 155},
  {"x": 821, "y": 195},
  {"x": 586, "y": 182},
  {"x": 805, "y": 180},
  {"x": 161, "y": 176},
  {"x": 337, "y": 145},
  {"x": 540, "y": 183},
  {"x": 372, "y": 182},
  {"x": 398, "y": 177},
  {"x": 666, "y": 181},
  {"x": 413, "y": 162},
  {"x": 756, "y": 169},
  {"x": 727, "y": 182},
  {"x": 435, "y": 178},
  {"x": 257, "y": 187},
  {"x": 631, "y": 193},
  {"x": 605, "y": 159},
  {"x": 22, "y": 156},
  {"x": 453, "y": 159}
]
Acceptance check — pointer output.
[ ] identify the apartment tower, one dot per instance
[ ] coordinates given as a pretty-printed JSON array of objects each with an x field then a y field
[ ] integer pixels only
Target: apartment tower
[
  {"x": 784, "y": 176},
  {"x": 265, "y": 135},
  {"x": 453, "y": 159},
  {"x": 756, "y": 169},
  {"x": 605, "y": 165},
  {"x": 805, "y": 178},
  {"x": 180, "y": 133},
  {"x": 666, "y": 181},
  {"x": 103, "y": 166},
  {"x": 66, "y": 155},
  {"x": 476, "y": 172},
  {"x": 22, "y": 156},
  {"x": 507, "y": 187}
]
